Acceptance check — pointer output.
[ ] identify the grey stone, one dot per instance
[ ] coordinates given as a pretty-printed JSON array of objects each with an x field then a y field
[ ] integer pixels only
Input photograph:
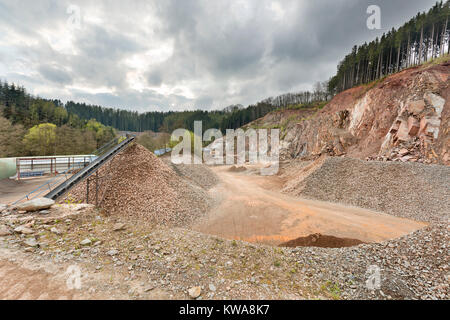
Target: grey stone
[
  {"x": 23, "y": 230},
  {"x": 86, "y": 242},
  {"x": 195, "y": 292},
  {"x": 31, "y": 242},
  {"x": 55, "y": 231},
  {"x": 36, "y": 204},
  {"x": 112, "y": 252},
  {"x": 4, "y": 231},
  {"x": 119, "y": 227}
]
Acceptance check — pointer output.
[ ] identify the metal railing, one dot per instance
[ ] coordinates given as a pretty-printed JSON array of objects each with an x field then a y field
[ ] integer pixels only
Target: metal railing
[
  {"x": 89, "y": 170},
  {"x": 64, "y": 176}
]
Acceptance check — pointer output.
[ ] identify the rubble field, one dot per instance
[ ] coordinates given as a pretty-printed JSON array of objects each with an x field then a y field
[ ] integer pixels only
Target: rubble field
[{"x": 139, "y": 245}]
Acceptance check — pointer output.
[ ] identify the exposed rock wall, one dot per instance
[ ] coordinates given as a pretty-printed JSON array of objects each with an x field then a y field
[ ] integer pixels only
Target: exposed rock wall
[{"x": 404, "y": 117}]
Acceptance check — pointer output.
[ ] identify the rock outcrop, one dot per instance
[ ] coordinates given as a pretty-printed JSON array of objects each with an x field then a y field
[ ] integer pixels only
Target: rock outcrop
[{"x": 404, "y": 117}]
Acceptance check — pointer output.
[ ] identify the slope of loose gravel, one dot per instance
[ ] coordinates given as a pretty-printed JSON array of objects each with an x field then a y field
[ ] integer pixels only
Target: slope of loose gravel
[
  {"x": 139, "y": 185},
  {"x": 415, "y": 266},
  {"x": 410, "y": 190},
  {"x": 198, "y": 174}
]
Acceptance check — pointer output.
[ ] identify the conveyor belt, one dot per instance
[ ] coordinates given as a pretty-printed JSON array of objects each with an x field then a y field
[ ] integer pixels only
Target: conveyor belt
[{"x": 89, "y": 170}]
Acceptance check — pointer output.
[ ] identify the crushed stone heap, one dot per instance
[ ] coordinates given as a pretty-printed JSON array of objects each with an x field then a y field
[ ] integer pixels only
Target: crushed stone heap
[
  {"x": 137, "y": 184},
  {"x": 410, "y": 190}
]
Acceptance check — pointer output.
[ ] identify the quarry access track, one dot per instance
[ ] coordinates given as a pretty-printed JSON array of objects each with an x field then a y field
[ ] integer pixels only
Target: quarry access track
[{"x": 252, "y": 208}]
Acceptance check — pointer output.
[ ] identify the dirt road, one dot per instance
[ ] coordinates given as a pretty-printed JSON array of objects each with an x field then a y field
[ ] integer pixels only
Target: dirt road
[
  {"x": 253, "y": 209},
  {"x": 13, "y": 190},
  {"x": 18, "y": 283}
]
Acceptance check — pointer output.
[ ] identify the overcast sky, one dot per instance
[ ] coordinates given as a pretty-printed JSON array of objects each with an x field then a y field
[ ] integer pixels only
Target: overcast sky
[{"x": 167, "y": 54}]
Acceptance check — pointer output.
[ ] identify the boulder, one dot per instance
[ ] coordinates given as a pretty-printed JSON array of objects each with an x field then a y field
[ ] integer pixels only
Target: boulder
[
  {"x": 413, "y": 126},
  {"x": 436, "y": 101},
  {"x": 86, "y": 242},
  {"x": 36, "y": 204},
  {"x": 395, "y": 127},
  {"x": 423, "y": 125},
  {"x": 416, "y": 107},
  {"x": 3, "y": 207},
  {"x": 112, "y": 252},
  {"x": 402, "y": 134},
  {"x": 4, "y": 231},
  {"x": 23, "y": 230},
  {"x": 31, "y": 242},
  {"x": 195, "y": 292},
  {"x": 119, "y": 227},
  {"x": 55, "y": 231}
]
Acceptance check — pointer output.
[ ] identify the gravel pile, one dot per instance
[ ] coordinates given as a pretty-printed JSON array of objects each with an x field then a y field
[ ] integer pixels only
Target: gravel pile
[
  {"x": 411, "y": 190},
  {"x": 198, "y": 174},
  {"x": 415, "y": 266},
  {"x": 139, "y": 185}
]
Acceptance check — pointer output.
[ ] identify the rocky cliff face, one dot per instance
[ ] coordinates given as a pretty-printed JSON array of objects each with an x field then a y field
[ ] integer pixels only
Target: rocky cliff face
[{"x": 404, "y": 117}]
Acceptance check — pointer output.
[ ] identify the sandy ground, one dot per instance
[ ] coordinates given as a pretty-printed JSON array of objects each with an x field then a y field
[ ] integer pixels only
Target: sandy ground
[
  {"x": 19, "y": 283},
  {"x": 250, "y": 208},
  {"x": 25, "y": 277},
  {"x": 13, "y": 190},
  {"x": 253, "y": 209}
]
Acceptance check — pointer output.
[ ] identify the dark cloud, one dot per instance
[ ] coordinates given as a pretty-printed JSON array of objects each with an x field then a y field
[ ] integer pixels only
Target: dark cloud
[
  {"x": 160, "y": 55},
  {"x": 55, "y": 74}
]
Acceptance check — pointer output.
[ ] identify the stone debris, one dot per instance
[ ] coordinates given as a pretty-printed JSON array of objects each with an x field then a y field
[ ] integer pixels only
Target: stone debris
[
  {"x": 112, "y": 252},
  {"x": 55, "y": 231},
  {"x": 4, "y": 231},
  {"x": 31, "y": 242},
  {"x": 23, "y": 230},
  {"x": 409, "y": 151},
  {"x": 195, "y": 292},
  {"x": 119, "y": 227},
  {"x": 86, "y": 242},
  {"x": 212, "y": 287}
]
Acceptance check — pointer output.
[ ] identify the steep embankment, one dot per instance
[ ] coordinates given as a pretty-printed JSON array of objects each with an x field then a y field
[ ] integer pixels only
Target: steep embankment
[
  {"x": 404, "y": 117},
  {"x": 410, "y": 190}
]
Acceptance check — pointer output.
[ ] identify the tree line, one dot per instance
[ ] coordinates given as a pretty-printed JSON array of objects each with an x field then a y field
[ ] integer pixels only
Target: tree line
[
  {"x": 423, "y": 38},
  {"x": 31, "y": 126},
  {"x": 231, "y": 117}
]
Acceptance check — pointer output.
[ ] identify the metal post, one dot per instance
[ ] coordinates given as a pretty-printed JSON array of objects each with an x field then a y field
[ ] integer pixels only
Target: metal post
[
  {"x": 87, "y": 190},
  {"x": 96, "y": 188},
  {"x": 18, "y": 168}
]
